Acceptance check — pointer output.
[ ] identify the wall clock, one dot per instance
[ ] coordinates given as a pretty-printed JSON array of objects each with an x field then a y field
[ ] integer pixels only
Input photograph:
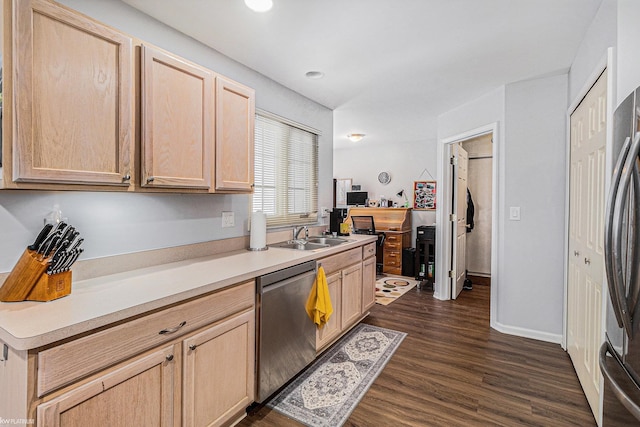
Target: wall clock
[{"x": 384, "y": 178}]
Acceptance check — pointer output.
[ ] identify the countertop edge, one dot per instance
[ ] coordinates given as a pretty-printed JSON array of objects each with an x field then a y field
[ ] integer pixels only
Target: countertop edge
[{"x": 13, "y": 316}]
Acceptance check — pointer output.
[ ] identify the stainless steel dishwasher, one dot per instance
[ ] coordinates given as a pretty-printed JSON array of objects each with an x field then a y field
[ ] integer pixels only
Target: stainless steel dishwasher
[{"x": 286, "y": 335}]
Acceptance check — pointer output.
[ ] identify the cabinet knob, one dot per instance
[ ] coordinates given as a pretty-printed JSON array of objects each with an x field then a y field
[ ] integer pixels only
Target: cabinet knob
[
  {"x": 587, "y": 261},
  {"x": 127, "y": 177},
  {"x": 170, "y": 358},
  {"x": 192, "y": 347},
  {"x": 150, "y": 179},
  {"x": 576, "y": 253}
]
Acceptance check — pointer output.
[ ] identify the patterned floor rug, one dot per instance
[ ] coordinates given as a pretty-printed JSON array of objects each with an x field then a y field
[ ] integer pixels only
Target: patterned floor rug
[
  {"x": 389, "y": 289},
  {"x": 328, "y": 391}
]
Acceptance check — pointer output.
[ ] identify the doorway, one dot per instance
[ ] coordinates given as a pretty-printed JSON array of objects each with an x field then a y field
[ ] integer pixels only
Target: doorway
[
  {"x": 479, "y": 180},
  {"x": 481, "y": 184}
]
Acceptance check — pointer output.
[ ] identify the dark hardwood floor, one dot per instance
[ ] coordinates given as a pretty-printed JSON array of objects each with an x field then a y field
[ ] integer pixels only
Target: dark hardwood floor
[{"x": 453, "y": 370}]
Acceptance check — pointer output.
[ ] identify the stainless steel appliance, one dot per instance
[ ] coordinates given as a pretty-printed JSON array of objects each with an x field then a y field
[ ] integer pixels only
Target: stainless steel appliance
[
  {"x": 286, "y": 335},
  {"x": 620, "y": 353}
]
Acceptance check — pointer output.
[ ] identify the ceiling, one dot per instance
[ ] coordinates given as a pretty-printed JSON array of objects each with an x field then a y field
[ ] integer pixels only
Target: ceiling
[{"x": 391, "y": 66}]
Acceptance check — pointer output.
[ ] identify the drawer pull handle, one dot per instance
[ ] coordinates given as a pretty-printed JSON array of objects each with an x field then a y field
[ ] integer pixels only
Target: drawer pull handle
[
  {"x": 170, "y": 358},
  {"x": 192, "y": 347},
  {"x": 172, "y": 330}
]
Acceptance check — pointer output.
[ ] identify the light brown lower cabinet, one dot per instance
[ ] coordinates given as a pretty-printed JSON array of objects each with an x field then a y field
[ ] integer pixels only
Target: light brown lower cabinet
[
  {"x": 351, "y": 294},
  {"x": 334, "y": 326},
  {"x": 219, "y": 372},
  {"x": 368, "y": 283},
  {"x": 351, "y": 283},
  {"x": 202, "y": 376},
  {"x": 141, "y": 393}
]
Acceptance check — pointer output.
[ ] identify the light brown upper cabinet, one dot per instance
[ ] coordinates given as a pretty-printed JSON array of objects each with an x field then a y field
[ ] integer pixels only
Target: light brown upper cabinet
[
  {"x": 177, "y": 121},
  {"x": 68, "y": 98},
  {"x": 235, "y": 122}
]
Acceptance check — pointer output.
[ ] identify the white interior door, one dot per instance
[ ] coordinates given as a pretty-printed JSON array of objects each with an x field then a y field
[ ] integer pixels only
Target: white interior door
[
  {"x": 586, "y": 230},
  {"x": 460, "y": 165}
]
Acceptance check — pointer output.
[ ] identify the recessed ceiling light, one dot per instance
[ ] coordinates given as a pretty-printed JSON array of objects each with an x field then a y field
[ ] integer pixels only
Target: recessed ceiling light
[
  {"x": 259, "y": 5},
  {"x": 315, "y": 74},
  {"x": 355, "y": 137}
]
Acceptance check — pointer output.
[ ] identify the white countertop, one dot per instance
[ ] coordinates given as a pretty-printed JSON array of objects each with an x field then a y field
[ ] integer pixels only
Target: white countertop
[{"x": 94, "y": 303}]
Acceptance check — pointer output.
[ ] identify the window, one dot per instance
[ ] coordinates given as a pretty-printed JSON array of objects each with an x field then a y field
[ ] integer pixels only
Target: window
[{"x": 286, "y": 171}]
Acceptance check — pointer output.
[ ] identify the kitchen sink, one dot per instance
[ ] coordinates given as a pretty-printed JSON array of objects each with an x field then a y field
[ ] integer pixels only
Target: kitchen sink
[
  {"x": 331, "y": 241},
  {"x": 300, "y": 245},
  {"x": 315, "y": 242}
]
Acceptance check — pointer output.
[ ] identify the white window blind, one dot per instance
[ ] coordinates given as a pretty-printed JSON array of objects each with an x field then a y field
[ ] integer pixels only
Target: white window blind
[{"x": 286, "y": 172}]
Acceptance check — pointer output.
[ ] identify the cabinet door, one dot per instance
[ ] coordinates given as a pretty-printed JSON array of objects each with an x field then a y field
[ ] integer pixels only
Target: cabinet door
[
  {"x": 177, "y": 121},
  {"x": 145, "y": 391},
  {"x": 368, "y": 283},
  {"x": 73, "y": 98},
  {"x": 235, "y": 121},
  {"x": 333, "y": 327},
  {"x": 351, "y": 294},
  {"x": 219, "y": 379}
]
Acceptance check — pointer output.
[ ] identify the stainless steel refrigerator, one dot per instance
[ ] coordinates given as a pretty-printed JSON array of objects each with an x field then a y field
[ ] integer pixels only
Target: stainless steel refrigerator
[{"x": 620, "y": 353}]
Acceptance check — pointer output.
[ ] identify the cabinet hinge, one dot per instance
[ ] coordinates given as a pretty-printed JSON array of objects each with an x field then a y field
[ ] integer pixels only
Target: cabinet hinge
[
  {"x": 453, "y": 217},
  {"x": 453, "y": 160},
  {"x": 452, "y": 274}
]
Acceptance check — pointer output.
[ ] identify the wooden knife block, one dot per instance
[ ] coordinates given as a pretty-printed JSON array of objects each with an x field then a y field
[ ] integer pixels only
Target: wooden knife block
[
  {"x": 51, "y": 286},
  {"x": 29, "y": 281}
]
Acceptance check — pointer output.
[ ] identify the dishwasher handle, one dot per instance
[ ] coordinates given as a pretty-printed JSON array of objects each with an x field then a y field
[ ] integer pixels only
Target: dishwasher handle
[
  {"x": 286, "y": 282},
  {"x": 287, "y": 273}
]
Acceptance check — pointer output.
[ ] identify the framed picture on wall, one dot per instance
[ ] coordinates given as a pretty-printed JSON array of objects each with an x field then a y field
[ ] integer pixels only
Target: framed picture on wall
[
  {"x": 342, "y": 187},
  {"x": 424, "y": 195}
]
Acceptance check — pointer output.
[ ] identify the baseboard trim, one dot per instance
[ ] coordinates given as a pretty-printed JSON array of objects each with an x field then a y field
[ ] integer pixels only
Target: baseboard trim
[{"x": 527, "y": 333}]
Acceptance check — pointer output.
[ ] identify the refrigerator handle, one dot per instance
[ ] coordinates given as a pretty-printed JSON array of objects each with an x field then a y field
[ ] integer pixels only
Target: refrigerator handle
[
  {"x": 623, "y": 397},
  {"x": 612, "y": 279},
  {"x": 616, "y": 239},
  {"x": 634, "y": 276}
]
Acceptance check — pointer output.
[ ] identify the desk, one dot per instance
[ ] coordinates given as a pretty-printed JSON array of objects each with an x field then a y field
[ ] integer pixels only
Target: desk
[{"x": 396, "y": 225}]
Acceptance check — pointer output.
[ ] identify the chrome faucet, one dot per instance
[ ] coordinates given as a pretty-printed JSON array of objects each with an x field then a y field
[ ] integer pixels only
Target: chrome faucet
[{"x": 298, "y": 230}]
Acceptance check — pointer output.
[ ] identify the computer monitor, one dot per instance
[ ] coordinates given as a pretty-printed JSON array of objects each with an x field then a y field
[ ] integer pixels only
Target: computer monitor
[{"x": 357, "y": 198}]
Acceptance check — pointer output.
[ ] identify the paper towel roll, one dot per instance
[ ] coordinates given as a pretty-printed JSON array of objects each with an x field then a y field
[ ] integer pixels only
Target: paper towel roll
[{"x": 258, "y": 240}]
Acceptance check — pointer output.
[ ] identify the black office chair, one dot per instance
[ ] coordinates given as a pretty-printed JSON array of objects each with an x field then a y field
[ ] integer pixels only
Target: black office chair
[{"x": 363, "y": 224}]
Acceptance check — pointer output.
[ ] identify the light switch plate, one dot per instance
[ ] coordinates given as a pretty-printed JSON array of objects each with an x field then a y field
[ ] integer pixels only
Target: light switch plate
[
  {"x": 514, "y": 213},
  {"x": 228, "y": 220}
]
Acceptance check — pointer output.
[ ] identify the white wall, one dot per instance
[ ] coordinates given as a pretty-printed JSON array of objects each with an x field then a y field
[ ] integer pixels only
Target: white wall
[
  {"x": 531, "y": 294},
  {"x": 528, "y": 292},
  {"x": 628, "y": 47},
  {"x": 116, "y": 223},
  {"x": 404, "y": 161},
  {"x": 593, "y": 49}
]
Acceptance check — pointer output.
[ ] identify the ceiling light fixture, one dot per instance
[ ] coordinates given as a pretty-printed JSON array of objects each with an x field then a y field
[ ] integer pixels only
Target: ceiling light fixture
[
  {"x": 259, "y": 5},
  {"x": 314, "y": 74},
  {"x": 355, "y": 137}
]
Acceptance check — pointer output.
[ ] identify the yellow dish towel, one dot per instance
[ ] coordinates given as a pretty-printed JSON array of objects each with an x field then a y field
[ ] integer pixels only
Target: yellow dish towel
[{"x": 318, "y": 305}]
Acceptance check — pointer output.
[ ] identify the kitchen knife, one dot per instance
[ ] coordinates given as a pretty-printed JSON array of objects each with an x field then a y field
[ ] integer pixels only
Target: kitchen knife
[
  {"x": 47, "y": 244},
  {"x": 67, "y": 233},
  {"x": 73, "y": 256},
  {"x": 41, "y": 236},
  {"x": 58, "y": 257},
  {"x": 54, "y": 231},
  {"x": 75, "y": 244}
]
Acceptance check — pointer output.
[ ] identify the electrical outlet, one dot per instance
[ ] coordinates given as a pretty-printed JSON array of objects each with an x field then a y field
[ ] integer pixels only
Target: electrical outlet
[
  {"x": 324, "y": 212},
  {"x": 228, "y": 220}
]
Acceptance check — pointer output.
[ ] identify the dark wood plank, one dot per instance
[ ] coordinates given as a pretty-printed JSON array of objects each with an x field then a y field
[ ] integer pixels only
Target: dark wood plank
[{"x": 454, "y": 370}]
